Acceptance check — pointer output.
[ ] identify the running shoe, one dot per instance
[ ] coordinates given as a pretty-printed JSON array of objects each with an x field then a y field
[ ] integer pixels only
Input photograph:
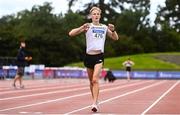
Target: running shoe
[
  {"x": 94, "y": 108},
  {"x": 14, "y": 85},
  {"x": 22, "y": 86}
]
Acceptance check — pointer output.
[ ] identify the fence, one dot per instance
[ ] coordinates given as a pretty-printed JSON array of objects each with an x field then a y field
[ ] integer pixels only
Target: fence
[
  {"x": 149, "y": 74},
  {"x": 69, "y": 72}
]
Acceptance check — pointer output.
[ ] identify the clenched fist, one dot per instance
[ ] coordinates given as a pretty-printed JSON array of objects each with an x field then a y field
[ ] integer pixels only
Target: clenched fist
[{"x": 111, "y": 27}]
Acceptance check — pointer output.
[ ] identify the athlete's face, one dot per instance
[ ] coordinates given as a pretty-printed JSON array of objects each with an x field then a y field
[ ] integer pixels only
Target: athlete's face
[{"x": 95, "y": 15}]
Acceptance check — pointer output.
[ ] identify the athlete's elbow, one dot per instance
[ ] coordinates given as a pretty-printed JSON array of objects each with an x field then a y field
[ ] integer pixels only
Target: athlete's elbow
[
  {"x": 71, "y": 34},
  {"x": 116, "y": 38}
]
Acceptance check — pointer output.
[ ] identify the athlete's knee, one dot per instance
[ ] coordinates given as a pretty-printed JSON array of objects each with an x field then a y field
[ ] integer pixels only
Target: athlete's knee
[
  {"x": 91, "y": 83},
  {"x": 94, "y": 81}
]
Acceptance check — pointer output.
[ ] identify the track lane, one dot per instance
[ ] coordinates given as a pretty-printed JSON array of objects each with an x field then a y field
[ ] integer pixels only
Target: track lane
[
  {"x": 81, "y": 101},
  {"x": 47, "y": 95},
  {"x": 127, "y": 96},
  {"x": 6, "y": 85},
  {"x": 137, "y": 102},
  {"x": 50, "y": 100},
  {"x": 15, "y": 94},
  {"x": 107, "y": 105},
  {"x": 168, "y": 103}
]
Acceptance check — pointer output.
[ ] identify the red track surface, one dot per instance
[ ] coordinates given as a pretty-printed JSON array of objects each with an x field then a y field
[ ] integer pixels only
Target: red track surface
[{"x": 72, "y": 96}]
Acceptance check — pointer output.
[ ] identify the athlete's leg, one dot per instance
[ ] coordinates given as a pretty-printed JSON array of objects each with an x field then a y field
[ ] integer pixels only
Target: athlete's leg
[
  {"x": 90, "y": 76},
  {"x": 95, "y": 81},
  {"x": 21, "y": 73},
  {"x": 128, "y": 75},
  {"x": 15, "y": 79},
  {"x": 20, "y": 81}
]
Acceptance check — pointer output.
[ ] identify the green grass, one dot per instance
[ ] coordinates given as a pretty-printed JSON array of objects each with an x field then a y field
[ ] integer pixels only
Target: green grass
[{"x": 142, "y": 62}]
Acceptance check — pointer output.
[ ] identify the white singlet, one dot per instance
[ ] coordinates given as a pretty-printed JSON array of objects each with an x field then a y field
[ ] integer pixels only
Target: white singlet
[
  {"x": 95, "y": 37},
  {"x": 128, "y": 63}
]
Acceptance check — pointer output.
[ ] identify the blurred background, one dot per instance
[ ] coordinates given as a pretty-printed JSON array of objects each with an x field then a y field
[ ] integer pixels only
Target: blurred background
[{"x": 148, "y": 30}]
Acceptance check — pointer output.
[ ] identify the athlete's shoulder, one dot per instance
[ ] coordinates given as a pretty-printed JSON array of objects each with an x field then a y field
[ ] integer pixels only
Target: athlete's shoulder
[
  {"x": 104, "y": 25},
  {"x": 100, "y": 25}
]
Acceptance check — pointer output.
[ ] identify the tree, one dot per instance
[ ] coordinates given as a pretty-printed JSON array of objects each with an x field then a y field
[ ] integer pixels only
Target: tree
[
  {"x": 169, "y": 15},
  {"x": 167, "y": 25},
  {"x": 133, "y": 22},
  {"x": 109, "y": 14},
  {"x": 7, "y": 40}
]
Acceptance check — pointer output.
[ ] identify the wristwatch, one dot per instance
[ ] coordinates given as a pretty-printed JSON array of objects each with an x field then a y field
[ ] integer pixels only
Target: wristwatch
[{"x": 113, "y": 30}]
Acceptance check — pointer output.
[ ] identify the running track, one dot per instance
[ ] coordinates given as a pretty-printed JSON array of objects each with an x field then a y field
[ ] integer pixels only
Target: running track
[{"x": 72, "y": 96}]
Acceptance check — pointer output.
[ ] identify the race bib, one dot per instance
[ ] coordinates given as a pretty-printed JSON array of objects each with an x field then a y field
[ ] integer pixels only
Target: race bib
[{"x": 98, "y": 33}]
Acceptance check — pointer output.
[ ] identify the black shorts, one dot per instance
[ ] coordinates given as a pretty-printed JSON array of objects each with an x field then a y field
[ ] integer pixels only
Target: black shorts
[
  {"x": 128, "y": 68},
  {"x": 20, "y": 71},
  {"x": 91, "y": 60}
]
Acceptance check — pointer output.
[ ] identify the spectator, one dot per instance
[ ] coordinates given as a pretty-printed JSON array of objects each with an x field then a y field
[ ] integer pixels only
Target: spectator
[{"x": 22, "y": 60}]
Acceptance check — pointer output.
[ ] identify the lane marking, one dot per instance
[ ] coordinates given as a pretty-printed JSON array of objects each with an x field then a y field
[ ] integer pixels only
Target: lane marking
[
  {"x": 162, "y": 96},
  {"x": 119, "y": 96},
  {"x": 46, "y": 93},
  {"x": 23, "y": 112},
  {"x": 32, "y": 85},
  {"x": 30, "y": 113},
  {"x": 60, "y": 99},
  {"x": 39, "y": 89},
  {"x": 50, "y": 83},
  {"x": 44, "y": 88},
  {"x": 52, "y": 92}
]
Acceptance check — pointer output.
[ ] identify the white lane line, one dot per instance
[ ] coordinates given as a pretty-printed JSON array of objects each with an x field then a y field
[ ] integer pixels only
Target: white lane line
[
  {"x": 122, "y": 95},
  {"x": 23, "y": 112},
  {"x": 44, "y": 88},
  {"x": 60, "y": 99},
  {"x": 39, "y": 89},
  {"x": 48, "y": 83},
  {"x": 162, "y": 96},
  {"x": 46, "y": 93},
  {"x": 29, "y": 85}
]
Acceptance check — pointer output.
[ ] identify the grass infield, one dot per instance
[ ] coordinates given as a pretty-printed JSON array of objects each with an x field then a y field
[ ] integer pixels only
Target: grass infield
[{"x": 151, "y": 61}]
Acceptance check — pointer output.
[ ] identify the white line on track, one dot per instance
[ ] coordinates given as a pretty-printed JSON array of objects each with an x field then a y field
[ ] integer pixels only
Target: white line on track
[
  {"x": 46, "y": 93},
  {"x": 44, "y": 83},
  {"x": 44, "y": 88},
  {"x": 116, "y": 97},
  {"x": 32, "y": 85},
  {"x": 162, "y": 96},
  {"x": 73, "y": 96}
]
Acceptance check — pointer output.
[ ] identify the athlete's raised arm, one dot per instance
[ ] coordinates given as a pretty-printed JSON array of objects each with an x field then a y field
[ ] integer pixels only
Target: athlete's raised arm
[
  {"x": 112, "y": 32},
  {"x": 79, "y": 30}
]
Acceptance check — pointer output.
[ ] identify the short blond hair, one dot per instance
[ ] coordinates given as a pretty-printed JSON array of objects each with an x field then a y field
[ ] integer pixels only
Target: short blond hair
[{"x": 95, "y": 8}]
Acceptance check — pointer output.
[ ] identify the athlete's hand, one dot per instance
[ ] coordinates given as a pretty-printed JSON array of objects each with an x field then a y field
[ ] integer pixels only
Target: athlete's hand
[
  {"x": 86, "y": 26},
  {"x": 29, "y": 58},
  {"x": 111, "y": 27},
  {"x": 26, "y": 58}
]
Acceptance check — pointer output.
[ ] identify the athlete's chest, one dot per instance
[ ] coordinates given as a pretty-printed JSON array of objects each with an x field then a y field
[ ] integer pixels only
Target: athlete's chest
[{"x": 97, "y": 32}]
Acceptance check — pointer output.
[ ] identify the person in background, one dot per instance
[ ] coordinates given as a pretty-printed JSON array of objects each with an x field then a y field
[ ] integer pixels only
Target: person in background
[
  {"x": 109, "y": 76},
  {"x": 22, "y": 60},
  {"x": 128, "y": 64}
]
